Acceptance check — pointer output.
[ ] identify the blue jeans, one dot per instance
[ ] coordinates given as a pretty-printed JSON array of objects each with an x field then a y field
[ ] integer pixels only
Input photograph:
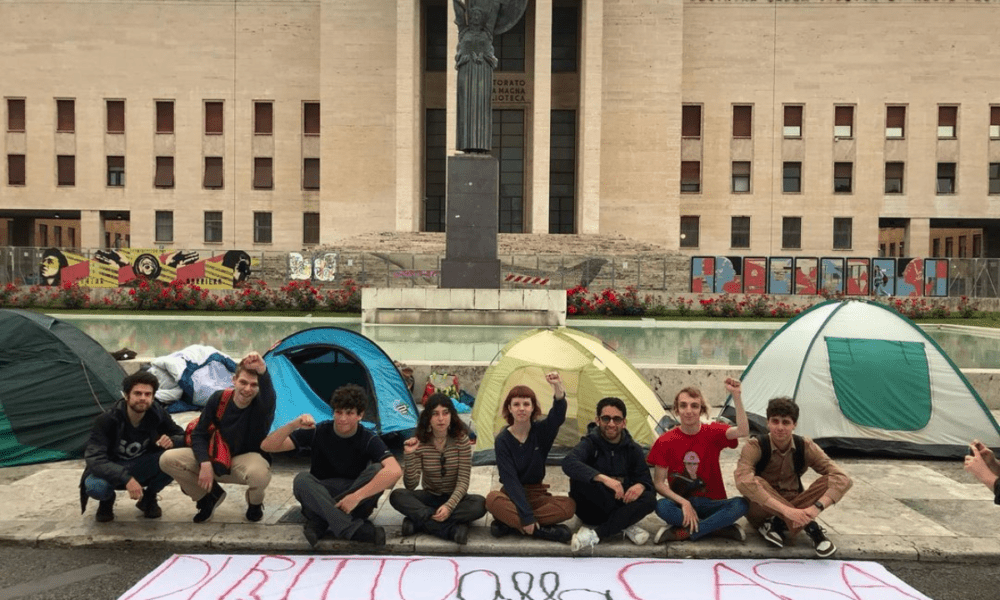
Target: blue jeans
[
  {"x": 712, "y": 514},
  {"x": 145, "y": 469}
]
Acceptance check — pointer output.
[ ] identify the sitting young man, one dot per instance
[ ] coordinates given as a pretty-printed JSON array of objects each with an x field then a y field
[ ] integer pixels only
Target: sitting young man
[
  {"x": 609, "y": 480},
  {"x": 687, "y": 472},
  {"x": 123, "y": 452},
  {"x": 350, "y": 469},
  {"x": 768, "y": 474}
]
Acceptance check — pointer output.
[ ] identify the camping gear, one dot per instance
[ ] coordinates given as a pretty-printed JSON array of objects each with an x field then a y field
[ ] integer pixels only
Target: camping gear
[
  {"x": 191, "y": 375},
  {"x": 308, "y": 366},
  {"x": 867, "y": 380},
  {"x": 589, "y": 370},
  {"x": 55, "y": 381}
]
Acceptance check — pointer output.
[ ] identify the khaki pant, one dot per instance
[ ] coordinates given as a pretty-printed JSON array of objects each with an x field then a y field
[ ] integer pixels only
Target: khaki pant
[
  {"x": 548, "y": 509},
  {"x": 759, "y": 513},
  {"x": 250, "y": 469}
]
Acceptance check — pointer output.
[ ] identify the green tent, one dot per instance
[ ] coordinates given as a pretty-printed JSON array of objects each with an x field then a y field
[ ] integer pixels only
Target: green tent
[{"x": 54, "y": 380}]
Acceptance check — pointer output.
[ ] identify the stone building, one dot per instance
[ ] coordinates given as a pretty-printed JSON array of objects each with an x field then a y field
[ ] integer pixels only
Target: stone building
[{"x": 712, "y": 127}]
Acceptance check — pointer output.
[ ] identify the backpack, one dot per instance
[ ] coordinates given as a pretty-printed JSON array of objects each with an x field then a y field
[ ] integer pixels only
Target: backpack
[
  {"x": 218, "y": 449},
  {"x": 798, "y": 455}
]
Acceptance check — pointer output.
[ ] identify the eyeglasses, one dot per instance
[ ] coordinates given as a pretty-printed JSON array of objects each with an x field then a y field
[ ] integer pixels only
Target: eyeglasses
[
  {"x": 443, "y": 470},
  {"x": 608, "y": 419}
]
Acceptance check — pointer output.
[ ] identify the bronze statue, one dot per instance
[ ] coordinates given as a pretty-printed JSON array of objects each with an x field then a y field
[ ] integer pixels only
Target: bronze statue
[{"x": 478, "y": 21}]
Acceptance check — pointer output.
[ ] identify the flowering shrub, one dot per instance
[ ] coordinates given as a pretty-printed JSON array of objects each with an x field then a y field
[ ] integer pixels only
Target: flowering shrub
[
  {"x": 967, "y": 308},
  {"x": 683, "y": 305},
  {"x": 300, "y": 295},
  {"x": 71, "y": 295},
  {"x": 346, "y": 299}
]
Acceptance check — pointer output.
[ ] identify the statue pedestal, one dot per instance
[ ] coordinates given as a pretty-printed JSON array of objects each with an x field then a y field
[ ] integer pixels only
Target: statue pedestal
[{"x": 472, "y": 222}]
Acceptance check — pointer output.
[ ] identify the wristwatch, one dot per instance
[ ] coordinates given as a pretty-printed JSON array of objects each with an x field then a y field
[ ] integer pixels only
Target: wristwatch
[{"x": 819, "y": 505}]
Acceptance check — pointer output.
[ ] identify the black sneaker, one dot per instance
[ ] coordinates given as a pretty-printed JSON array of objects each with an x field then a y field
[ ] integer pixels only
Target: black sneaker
[
  {"x": 553, "y": 533},
  {"x": 370, "y": 534},
  {"x": 773, "y": 531},
  {"x": 824, "y": 547},
  {"x": 208, "y": 503},
  {"x": 149, "y": 507},
  {"x": 105, "y": 511},
  {"x": 314, "y": 531},
  {"x": 409, "y": 527},
  {"x": 461, "y": 534},
  {"x": 255, "y": 512},
  {"x": 500, "y": 529}
]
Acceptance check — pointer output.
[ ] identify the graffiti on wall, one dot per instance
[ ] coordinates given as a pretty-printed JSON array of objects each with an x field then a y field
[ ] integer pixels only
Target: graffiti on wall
[{"x": 123, "y": 267}]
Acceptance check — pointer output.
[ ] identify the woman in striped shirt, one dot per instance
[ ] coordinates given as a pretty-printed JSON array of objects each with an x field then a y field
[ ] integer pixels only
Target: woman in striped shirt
[{"x": 441, "y": 455}]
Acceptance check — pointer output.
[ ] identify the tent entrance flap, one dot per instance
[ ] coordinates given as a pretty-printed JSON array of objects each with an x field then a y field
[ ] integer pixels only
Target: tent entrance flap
[
  {"x": 326, "y": 368},
  {"x": 881, "y": 383}
]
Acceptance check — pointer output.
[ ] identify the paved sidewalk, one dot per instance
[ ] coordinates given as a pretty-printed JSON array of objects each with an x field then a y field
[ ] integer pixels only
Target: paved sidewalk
[{"x": 904, "y": 510}]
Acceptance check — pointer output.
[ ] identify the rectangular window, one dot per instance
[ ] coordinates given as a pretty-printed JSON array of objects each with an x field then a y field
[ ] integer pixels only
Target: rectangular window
[
  {"x": 791, "y": 177},
  {"x": 793, "y": 121},
  {"x": 164, "y": 116},
  {"x": 842, "y": 176},
  {"x": 946, "y": 178},
  {"x": 43, "y": 235},
  {"x": 213, "y": 173},
  {"x": 164, "y": 226},
  {"x": 995, "y": 122},
  {"x": 57, "y": 236},
  {"x": 742, "y": 121},
  {"x": 65, "y": 116},
  {"x": 164, "y": 177},
  {"x": 690, "y": 176},
  {"x": 740, "y": 232},
  {"x": 310, "y": 118},
  {"x": 994, "y": 178},
  {"x": 949, "y": 247},
  {"x": 893, "y": 178},
  {"x": 842, "y": 227},
  {"x": 66, "y": 170},
  {"x": 961, "y": 246},
  {"x": 436, "y": 38},
  {"x": 691, "y": 121},
  {"x": 116, "y": 171},
  {"x": 263, "y": 118},
  {"x": 310, "y": 228},
  {"x": 310, "y": 173},
  {"x": 562, "y": 171},
  {"x": 15, "y": 114},
  {"x": 843, "y": 121},
  {"x": 565, "y": 25},
  {"x": 936, "y": 247},
  {"x": 213, "y": 226},
  {"x": 71, "y": 237},
  {"x": 791, "y": 233},
  {"x": 262, "y": 177},
  {"x": 15, "y": 169},
  {"x": 509, "y": 48},
  {"x": 892, "y": 249},
  {"x": 262, "y": 228},
  {"x": 213, "y": 117},
  {"x": 977, "y": 245},
  {"x": 115, "y": 116},
  {"x": 895, "y": 121},
  {"x": 435, "y": 134},
  {"x": 689, "y": 232},
  {"x": 741, "y": 177},
  {"x": 947, "y": 121}
]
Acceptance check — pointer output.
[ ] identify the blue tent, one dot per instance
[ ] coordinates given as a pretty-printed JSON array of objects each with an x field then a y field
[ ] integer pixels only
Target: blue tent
[{"x": 306, "y": 367}]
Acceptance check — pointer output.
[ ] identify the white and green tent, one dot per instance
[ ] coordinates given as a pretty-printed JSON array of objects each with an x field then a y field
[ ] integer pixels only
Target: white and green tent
[
  {"x": 590, "y": 371},
  {"x": 867, "y": 380}
]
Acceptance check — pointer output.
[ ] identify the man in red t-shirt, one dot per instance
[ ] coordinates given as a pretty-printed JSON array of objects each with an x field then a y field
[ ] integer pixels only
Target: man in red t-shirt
[{"x": 687, "y": 473}]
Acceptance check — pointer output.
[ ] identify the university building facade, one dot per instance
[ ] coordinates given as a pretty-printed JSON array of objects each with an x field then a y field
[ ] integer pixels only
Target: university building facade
[{"x": 818, "y": 128}]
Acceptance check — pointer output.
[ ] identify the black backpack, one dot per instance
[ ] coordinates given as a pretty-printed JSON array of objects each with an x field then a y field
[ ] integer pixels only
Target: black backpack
[{"x": 798, "y": 456}]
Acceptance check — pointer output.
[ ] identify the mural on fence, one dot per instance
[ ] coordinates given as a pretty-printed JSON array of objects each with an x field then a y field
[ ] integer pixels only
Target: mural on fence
[
  {"x": 830, "y": 275},
  {"x": 117, "y": 267}
]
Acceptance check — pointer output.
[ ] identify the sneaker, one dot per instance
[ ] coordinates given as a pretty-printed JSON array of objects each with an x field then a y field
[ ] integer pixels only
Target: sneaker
[
  {"x": 370, "y": 534},
  {"x": 637, "y": 535},
  {"x": 105, "y": 511},
  {"x": 149, "y": 507},
  {"x": 585, "y": 537},
  {"x": 208, "y": 503},
  {"x": 409, "y": 527},
  {"x": 313, "y": 530},
  {"x": 671, "y": 534},
  {"x": 500, "y": 529},
  {"x": 461, "y": 534},
  {"x": 553, "y": 533},
  {"x": 255, "y": 512},
  {"x": 773, "y": 531},
  {"x": 824, "y": 547},
  {"x": 731, "y": 532}
]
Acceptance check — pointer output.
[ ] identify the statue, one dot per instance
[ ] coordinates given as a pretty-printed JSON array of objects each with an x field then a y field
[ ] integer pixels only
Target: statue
[{"x": 478, "y": 21}]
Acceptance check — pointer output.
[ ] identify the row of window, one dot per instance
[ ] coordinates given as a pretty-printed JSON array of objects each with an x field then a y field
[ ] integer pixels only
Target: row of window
[
  {"x": 791, "y": 232},
  {"x": 843, "y": 177},
  {"x": 212, "y": 179},
  {"x": 114, "y": 122},
  {"x": 843, "y": 121},
  {"x": 262, "y": 227},
  {"x": 57, "y": 236}
]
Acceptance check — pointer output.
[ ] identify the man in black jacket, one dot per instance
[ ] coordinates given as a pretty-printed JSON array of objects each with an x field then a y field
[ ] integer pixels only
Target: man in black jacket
[
  {"x": 123, "y": 452},
  {"x": 609, "y": 480}
]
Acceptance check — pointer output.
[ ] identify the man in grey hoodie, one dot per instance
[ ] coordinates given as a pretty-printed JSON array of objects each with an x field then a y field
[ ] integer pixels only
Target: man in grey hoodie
[{"x": 609, "y": 480}]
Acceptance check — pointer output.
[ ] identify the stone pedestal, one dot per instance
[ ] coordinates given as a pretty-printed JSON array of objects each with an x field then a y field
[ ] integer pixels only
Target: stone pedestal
[{"x": 472, "y": 223}]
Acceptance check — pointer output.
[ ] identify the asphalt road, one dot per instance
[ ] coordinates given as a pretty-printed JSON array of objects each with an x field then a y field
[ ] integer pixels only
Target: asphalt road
[{"x": 106, "y": 574}]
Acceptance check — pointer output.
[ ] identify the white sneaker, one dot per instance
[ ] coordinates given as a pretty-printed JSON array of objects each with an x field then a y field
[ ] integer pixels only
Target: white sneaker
[
  {"x": 638, "y": 535},
  {"x": 585, "y": 537}
]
